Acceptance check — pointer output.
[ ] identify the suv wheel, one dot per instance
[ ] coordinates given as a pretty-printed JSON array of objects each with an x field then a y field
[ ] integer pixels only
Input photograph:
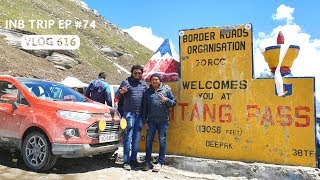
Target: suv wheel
[{"x": 36, "y": 152}]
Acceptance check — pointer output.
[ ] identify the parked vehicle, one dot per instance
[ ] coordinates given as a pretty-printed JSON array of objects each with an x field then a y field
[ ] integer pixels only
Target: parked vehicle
[
  {"x": 114, "y": 89},
  {"x": 46, "y": 120}
]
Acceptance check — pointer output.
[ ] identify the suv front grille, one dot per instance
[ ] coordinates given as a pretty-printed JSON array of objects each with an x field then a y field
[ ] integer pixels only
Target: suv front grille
[{"x": 111, "y": 128}]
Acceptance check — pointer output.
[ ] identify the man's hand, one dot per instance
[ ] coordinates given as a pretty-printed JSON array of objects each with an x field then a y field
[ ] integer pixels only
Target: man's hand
[
  {"x": 124, "y": 89},
  {"x": 146, "y": 126},
  {"x": 163, "y": 99}
]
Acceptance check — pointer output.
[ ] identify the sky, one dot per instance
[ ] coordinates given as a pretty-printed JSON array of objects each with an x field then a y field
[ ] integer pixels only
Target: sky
[{"x": 150, "y": 22}]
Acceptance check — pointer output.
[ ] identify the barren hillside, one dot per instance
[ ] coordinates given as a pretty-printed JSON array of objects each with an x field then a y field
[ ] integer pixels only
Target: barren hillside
[{"x": 101, "y": 47}]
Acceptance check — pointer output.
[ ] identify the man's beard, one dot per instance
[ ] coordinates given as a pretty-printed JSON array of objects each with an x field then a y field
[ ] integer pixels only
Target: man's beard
[{"x": 137, "y": 78}]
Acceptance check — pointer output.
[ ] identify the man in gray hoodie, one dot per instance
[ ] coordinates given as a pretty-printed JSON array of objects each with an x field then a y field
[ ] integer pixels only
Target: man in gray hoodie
[{"x": 157, "y": 100}]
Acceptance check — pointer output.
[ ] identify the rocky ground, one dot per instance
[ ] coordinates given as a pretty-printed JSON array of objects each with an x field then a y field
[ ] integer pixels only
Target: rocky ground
[{"x": 177, "y": 167}]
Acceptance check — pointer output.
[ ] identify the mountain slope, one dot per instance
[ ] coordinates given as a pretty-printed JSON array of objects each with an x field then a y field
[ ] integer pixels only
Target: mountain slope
[{"x": 100, "y": 48}]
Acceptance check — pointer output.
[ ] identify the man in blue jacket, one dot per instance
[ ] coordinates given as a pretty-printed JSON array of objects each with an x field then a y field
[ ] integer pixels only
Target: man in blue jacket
[
  {"x": 131, "y": 90},
  {"x": 156, "y": 103},
  {"x": 99, "y": 90}
]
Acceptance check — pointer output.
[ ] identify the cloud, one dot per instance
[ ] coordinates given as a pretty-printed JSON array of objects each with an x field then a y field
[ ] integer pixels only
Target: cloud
[
  {"x": 284, "y": 12},
  {"x": 145, "y": 36},
  {"x": 306, "y": 64}
]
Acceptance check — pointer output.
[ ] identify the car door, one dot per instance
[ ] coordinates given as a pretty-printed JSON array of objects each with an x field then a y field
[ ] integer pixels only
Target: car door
[{"x": 11, "y": 117}]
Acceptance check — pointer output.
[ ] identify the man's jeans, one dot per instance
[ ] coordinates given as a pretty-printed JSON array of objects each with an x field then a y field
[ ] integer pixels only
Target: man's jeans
[
  {"x": 132, "y": 136},
  {"x": 162, "y": 132}
]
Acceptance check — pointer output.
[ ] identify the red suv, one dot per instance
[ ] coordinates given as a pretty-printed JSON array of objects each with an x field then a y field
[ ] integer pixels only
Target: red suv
[{"x": 45, "y": 120}]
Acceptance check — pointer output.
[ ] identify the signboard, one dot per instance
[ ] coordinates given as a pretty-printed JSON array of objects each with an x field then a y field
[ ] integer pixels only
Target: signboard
[{"x": 223, "y": 113}]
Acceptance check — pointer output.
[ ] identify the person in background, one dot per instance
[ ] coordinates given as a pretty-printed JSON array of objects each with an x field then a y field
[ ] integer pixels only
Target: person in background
[
  {"x": 132, "y": 90},
  {"x": 156, "y": 103},
  {"x": 99, "y": 90}
]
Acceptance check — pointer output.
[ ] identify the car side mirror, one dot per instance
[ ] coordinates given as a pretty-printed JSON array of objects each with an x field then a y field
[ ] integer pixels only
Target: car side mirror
[{"x": 15, "y": 105}]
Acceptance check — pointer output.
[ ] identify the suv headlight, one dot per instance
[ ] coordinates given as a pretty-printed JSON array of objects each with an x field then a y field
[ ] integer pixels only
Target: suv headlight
[{"x": 74, "y": 116}]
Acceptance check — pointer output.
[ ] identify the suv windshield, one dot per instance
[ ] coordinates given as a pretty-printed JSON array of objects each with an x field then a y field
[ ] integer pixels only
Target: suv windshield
[{"x": 51, "y": 91}]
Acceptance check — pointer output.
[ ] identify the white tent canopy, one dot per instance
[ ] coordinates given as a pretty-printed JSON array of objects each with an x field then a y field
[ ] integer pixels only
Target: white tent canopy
[{"x": 73, "y": 82}]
